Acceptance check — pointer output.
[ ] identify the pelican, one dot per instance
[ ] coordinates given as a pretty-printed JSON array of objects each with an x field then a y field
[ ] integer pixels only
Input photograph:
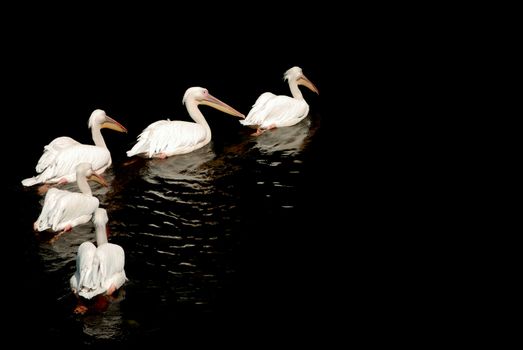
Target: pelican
[
  {"x": 60, "y": 158},
  {"x": 63, "y": 210},
  {"x": 271, "y": 111},
  {"x": 99, "y": 269},
  {"x": 166, "y": 138}
]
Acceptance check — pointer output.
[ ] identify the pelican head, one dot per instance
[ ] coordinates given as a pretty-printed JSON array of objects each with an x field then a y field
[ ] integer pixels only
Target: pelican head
[
  {"x": 100, "y": 217},
  {"x": 201, "y": 96},
  {"x": 296, "y": 74},
  {"x": 86, "y": 170},
  {"x": 98, "y": 117}
]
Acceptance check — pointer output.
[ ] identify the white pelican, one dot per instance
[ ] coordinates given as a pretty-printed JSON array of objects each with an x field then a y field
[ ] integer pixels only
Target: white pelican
[
  {"x": 271, "y": 111},
  {"x": 99, "y": 269},
  {"x": 63, "y": 210},
  {"x": 166, "y": 138},
  {"x": 60, "y": 158}
]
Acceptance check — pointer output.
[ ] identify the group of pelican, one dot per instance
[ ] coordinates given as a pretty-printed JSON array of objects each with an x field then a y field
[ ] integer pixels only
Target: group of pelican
[{"x": 100, "y": 269}]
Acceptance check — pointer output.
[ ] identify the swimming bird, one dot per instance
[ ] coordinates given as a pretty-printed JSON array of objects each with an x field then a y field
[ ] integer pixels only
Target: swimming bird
[
  {"x": 63, "y": 210},
  {"x": 165, "y": 138},
  {"x": 60, "y": 158},
  {"x": 100, "y": 268},
  {"x": 272, "y": 111}
]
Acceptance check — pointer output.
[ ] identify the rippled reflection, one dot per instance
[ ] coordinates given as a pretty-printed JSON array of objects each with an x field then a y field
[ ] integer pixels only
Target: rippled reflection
[
  {"x": 288, "y": 140},
  {"x": 62, "y": 253},
  {"x": 190, "y": 167},
  {"x": 108, "y": 322}
]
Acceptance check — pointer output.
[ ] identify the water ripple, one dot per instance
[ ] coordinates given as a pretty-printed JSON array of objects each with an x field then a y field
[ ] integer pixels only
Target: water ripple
[{"x": 180, "y": 221}]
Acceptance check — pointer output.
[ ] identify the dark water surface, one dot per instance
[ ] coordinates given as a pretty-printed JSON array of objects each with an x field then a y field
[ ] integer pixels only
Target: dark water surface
[{"x": 214, "y": 240}]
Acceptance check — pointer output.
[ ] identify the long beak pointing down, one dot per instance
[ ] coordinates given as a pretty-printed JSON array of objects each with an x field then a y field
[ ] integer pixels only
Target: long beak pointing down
[
  {"x": 212, "y": 101},
  {"x": 110, "y": 123},
  {"x": 98, "y": 178},
  {"x": 306, "y": 82}
]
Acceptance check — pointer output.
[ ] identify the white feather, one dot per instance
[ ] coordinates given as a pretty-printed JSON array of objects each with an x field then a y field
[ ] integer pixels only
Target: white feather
[
  {"x": 166, "y": 138},
  {"x": 279, "y": 111},
  {"x": 84, "y": 262},
  {"x": 52, "y": 150},
  {"x": 98, "y": 268},
  {"x": 169, "y": 137},
  {"x": 62, "y": 208},
  {"x": 62, "y": 164},
  {"x": 271, "y": 111},
  {"x": 63, "y": 154}
]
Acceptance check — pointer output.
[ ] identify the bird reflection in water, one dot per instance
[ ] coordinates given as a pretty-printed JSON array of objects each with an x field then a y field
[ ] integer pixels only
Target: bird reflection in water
[
  {"x": 190, "y": 166},
  {"x": 103, "y": 318},
  {"x": 289, "y": 141},
  {"x": 98, "y": 304}
]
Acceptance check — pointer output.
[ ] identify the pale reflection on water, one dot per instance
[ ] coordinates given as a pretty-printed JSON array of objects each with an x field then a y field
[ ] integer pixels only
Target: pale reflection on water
[
  {"x": 189, "y": 167},
  {"x": 289, "y": 140},
  {"x": 108, "y": 324}
]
